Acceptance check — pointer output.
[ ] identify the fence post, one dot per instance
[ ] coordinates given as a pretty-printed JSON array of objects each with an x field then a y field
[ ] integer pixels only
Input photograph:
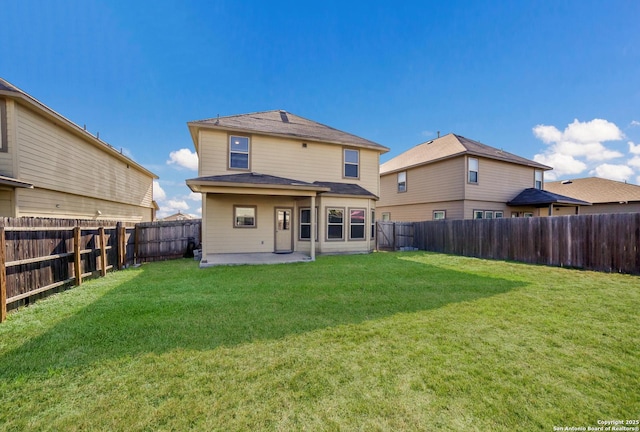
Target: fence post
[
  {"x": 3, "y": 277},
  {"x": 119, "y": 246},
  {"x": 77, "y": 258},
  {"x": 103, "y": 252},
  {"x": 122, "y": 246}
]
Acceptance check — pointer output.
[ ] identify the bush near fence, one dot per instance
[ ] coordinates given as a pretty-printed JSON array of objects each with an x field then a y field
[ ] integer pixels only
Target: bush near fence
[
  {"x": 600, "y": 242},
  {"x": 41, "y": 256}
]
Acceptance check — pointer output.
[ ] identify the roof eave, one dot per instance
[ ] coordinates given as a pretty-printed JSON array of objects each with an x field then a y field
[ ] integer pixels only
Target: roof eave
[{"x": 207, "y": 183}]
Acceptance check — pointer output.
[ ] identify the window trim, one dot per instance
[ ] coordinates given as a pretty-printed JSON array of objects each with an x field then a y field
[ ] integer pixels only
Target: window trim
[
  {"x": 345, "y": 163},
  {"x": 478, "y": 212},
  {"x": 230, "y": 152},
  {"x": 444, "y": 215},
  {"x": 235, "y": 216},
  {"x": 488, "y": 214},
  {"x": 373, "y": 224},
  {"x": 3, "y": 127},
  {"x": 495, "y": 214},
  {"x": 469, "y": 171},
  {"x": 527, "y": 214},
  {"x": 342, "y": 224},
  {"x": 403, "y": 183},
  {"x": 535, "y": 179},
  {"x": 363, "y": 224},
  {"x": 300, "y": 223},
  {"x": 386, "y": 216}
]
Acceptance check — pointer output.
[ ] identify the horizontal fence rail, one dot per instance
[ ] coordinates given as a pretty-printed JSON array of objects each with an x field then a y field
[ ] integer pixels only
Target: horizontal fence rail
[
  {"x": 600, "y": 242},
  {"x": 39, "y": 256}
]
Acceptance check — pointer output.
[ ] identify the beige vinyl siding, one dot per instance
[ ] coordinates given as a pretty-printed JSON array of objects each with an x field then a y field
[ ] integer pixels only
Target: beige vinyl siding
[
  {"x": 7, "y": 126},
  {"x": 47, "y": 203},
  {"x": 498, "y": 181},
  {"x": 52, "y": 158},
  {"x": 6, "y": 203},
  {"x": 345, "y": 245},
  {"x": 471, "y": 205},
  {"x": 421, "y": 212},
  {"x": 599, "y": 208},
  {"x": 222, "y": 237},
  {"x": 288, "y": 158},
  {"x": 435, "y": 182}
]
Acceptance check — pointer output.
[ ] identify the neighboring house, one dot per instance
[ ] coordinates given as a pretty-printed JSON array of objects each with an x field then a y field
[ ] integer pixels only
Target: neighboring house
[
  {"x": 178, "y": 217},
  {"x": 51, "y": 167},
  {"x": 453, "y": 177},
  {"x": 268, "y": 178},
  {"x": 606, "y": 196}
]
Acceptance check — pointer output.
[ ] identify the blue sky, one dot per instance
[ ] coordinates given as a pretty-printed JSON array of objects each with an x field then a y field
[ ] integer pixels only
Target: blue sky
[{"x": 558, "y": 81}]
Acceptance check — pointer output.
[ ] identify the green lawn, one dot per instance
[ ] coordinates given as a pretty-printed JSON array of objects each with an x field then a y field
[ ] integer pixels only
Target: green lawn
[{"x": 386, "y": 341}]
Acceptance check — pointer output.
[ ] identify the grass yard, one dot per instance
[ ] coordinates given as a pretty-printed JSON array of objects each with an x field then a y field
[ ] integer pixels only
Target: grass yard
[{"x": 387, "y": 341}]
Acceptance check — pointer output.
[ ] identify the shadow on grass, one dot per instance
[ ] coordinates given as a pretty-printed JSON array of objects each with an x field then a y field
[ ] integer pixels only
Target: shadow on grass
[{"x": 175, "y": 305}]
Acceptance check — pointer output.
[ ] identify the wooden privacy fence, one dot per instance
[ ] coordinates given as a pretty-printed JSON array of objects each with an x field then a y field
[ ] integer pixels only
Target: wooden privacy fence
[
  {"x": 38, "y": 256},
  {"x": 394, "y": 235},
  {"x": 156, "y": 241},
  {"x": 602, "y": 242}
]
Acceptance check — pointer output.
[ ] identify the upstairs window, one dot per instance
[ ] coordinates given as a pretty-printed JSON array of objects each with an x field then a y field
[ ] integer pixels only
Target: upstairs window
[
  {"x": 473, "y": 170},
  {"x": 538, "y": 179},
  {"x": 351, "y": 163},
  {"x": 402, "y": 181},
  {"x": 239, "y": 152}
]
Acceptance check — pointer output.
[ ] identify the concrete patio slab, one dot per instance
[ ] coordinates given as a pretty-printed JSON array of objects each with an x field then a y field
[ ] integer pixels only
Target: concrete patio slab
[{"x": 253, "y": 259}]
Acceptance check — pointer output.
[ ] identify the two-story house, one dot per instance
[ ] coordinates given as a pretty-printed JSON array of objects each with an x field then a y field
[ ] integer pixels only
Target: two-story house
[
  {"x": 51, "y": 167},
  {"x": 453, "y": 177},
  {"x": 275, "y": 182}
]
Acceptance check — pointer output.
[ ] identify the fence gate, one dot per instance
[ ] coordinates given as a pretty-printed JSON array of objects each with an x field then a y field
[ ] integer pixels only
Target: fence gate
[{"x": 394, "y": 235}]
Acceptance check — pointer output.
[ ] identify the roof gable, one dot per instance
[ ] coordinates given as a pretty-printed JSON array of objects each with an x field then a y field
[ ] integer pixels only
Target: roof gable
[
  {"x": 596, "y": 190},
  {"x": 282, "y": 123},
  {"x": 448, "y": 146}
]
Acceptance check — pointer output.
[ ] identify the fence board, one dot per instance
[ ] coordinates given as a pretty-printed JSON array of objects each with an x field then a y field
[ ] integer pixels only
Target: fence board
[{"x": 604, "y": 242}]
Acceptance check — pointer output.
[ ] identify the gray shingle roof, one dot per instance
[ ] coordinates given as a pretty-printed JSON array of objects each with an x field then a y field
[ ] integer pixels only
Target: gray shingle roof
[
  {"x": 346, "y": 189},
  {"x": 269, "y": 180},
  {"x": 282, "y": 123},
  {"x": 252, "y": 178},
  {"x": 596, "y": 190},
  {"x": 448, "y": 146},
  {"x": 536, "y": 197}
]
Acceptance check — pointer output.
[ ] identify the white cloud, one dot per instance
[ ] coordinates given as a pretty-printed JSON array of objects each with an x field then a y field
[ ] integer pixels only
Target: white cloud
[
  {"x": 184, "y": 158},
  {"x": 597, "y": 130},
  {"x": 570, "y": 151},
  {"x": 175, "y": 205},
  {"x": 635, "y": 149},
  {"x": 158, "y": 193},
  {"x": 548, "y": 134},
  {"x": 634, "y": 123},
  {"x": 194, "y": 196},
  {"x": 562, "y": 164},
  {"x": 199, "y": 210},
  {"x": 634, "y": 162},
  {"x": 613, "y": 172}
]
